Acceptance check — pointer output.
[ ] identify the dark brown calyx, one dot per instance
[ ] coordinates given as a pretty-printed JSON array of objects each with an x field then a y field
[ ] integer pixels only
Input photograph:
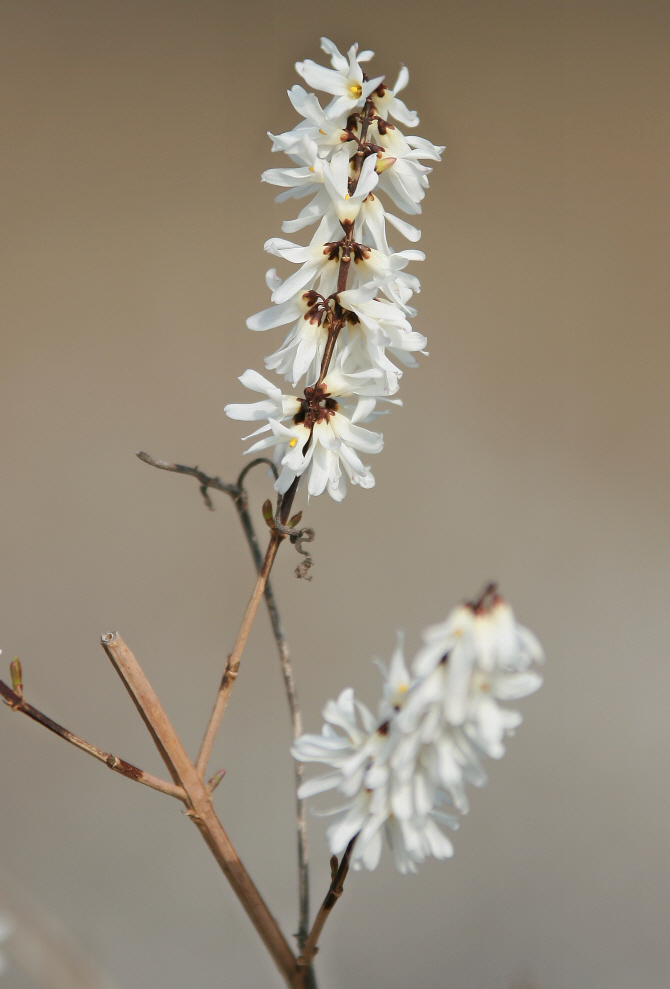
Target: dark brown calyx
[
  {"x": 318, "y": 307},
  {"x": 486, "y": 600},
  {"x": 352, "y": 122},
  {"x": 360, "y": 252},
  {"x": 383, "y": 125},
  {"x": 332, "y": 249},
  {"x": 316, "y": 406}
]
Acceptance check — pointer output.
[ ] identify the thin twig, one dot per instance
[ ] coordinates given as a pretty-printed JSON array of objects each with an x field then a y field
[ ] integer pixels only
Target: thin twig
[
  {"x": 205, "y": 480},
  {"x": 200, "y": 806},
  {"x": 233, "y": 663},
  {"x": 16, "y": 702},
  {"x": 241, "y": 502},
  {"x": 332, "y": 896}
]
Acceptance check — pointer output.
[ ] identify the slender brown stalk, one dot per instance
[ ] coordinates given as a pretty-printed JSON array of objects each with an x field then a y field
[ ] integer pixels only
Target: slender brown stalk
[
  {"x": 334, "y": 893},
  {"x": 17, "y": 703},
  {"x": 199, "y": 799},
  {"x": 336, "y": 319},
  {"x": 233, "y": 663},
  {"x": 240, "y": 499}
]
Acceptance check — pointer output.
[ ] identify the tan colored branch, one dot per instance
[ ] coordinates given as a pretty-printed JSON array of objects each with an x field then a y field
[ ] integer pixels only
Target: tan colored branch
[
  {"x": 333, "y": 895},
  {"x": 16, "y": 702},
  {"x": 233, "y": 663},
  {"x": 200, "y": 809},
  {"x": 240, "y": 500}
]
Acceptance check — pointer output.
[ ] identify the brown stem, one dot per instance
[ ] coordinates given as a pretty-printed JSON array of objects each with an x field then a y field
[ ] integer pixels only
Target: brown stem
[
  {"x": 333, "y": 332},
  {"x": 16, "y": 702},
  {"x": 233, "y": 663},
  {"x": 334, "y": 893},
  {"x": 200, "y": 806},
  {"x": 205, "y": 480},
  {"x": 366, "y": 120},
  {"x": 336, "y": 323},
  {"x": 241, "y": 502}
]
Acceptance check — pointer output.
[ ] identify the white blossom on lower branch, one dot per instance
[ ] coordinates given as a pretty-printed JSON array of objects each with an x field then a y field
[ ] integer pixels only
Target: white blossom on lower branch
[{"x": 403, "y": 773}]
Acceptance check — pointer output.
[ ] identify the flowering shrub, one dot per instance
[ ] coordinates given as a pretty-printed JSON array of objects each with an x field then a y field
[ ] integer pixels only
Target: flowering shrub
[{"x": 402, "y": 772}]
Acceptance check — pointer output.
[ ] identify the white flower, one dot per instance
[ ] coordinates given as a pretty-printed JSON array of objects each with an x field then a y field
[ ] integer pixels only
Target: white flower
[
  {"x": 318, "y": 126},
  {"x": 319, "y": 261},
  {"x": 381, "y": 326},
  {"x": 405, "y": 180},
  {"x": 404, "y": 773},
  {"x": 357, "y": 747},
  {"x": 344, "y": 81},
  {"x": 372, "y": 221},
  {"x": 321, "y": 441},
  {"x": 386, "y": 101},
  {"x": 363, "y": 330},
  {"x": 336, "y": 180},
  {"x": 374, "y": 326},
  {"x": 478, "y": 656}
]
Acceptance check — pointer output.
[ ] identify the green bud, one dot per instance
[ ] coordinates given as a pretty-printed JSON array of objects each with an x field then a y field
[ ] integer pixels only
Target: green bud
[
  {"x": 383, "y": 164},
  {"x": 268, "y": 514},
  {"x": 17, "y": 676},
  {"x": 294, "y": 521}
]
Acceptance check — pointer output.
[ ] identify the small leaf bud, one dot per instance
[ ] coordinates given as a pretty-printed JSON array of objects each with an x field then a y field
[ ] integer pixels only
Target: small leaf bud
[
  {"x": 294, "y": 520},
  {"x": 268, "y": 514},
  {"x": 17, "y": 676}
]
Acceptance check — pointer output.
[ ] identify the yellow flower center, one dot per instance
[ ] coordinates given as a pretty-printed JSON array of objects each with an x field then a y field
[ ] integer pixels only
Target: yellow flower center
[
  {"x": 356, "y": 89},
  {"x": 293, "y": 442}
]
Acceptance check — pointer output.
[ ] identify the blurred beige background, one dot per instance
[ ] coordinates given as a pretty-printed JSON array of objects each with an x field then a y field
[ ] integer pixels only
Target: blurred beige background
[{"x": 532, "y": 448}]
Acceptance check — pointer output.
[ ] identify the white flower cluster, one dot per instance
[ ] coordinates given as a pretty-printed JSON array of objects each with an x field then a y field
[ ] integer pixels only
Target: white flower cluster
[
  {"x": 348, "y": 301},
  {"x": 403, "y": 773}
]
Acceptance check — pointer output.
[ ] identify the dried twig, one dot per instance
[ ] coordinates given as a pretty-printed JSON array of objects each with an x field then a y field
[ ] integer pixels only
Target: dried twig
[
  {"x": 205, "y": 480},
  {"x": 15, "y": 700},
  {"x": 233, "y": 663},
  {"x": 332, "y": 896},
  {"x": 200, "y": 808},
  {"x": 241, "y": 502}
]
